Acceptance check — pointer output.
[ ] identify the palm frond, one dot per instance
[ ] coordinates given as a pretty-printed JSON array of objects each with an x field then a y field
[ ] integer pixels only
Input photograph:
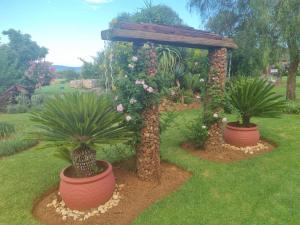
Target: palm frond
[
  {"x": 254, "y": 97},
  {"x": 79, "y": 118}
]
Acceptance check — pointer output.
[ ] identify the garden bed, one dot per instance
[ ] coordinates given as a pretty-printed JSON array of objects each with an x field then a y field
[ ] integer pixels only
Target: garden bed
[
  {"x": 224, "y": 154},
  {"x": 135, "y": 195},
  {"x": 217, "y": 151}
]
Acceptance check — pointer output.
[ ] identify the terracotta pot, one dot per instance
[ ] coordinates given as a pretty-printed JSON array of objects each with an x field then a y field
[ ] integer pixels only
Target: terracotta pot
[
  {"x": 241, "y": 136},
  {"x": 88, "y": 192}
]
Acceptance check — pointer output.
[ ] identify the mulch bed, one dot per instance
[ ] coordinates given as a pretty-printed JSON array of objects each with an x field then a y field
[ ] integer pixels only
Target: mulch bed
[
  {"x": 136, "y": 196},
  {"x": 220, "y": 154}
]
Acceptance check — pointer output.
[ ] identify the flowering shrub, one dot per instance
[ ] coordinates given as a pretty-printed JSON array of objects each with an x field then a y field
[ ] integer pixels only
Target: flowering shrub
[
  {"x": 39, "y": 73},
  {"x": 139, "y": 89}
]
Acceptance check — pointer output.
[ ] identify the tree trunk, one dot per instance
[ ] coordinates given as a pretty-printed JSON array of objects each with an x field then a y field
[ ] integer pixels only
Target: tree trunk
[
  {"x": 147, "y": 156},
  {"x": 291, "y": 80},
  {"x": 294, "y": 62},
  {"x": 245, "y": 121},
  {"x": 84, "y": 161}
]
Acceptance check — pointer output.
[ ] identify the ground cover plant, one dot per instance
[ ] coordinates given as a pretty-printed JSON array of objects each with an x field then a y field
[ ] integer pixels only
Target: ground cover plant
[
  {"x": 12, "y": 139},
  {"x": 6, "y": 129}
]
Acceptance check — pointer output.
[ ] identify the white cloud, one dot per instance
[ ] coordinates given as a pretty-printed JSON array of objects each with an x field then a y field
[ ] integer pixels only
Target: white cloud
[{"x": 98, "y": 1}]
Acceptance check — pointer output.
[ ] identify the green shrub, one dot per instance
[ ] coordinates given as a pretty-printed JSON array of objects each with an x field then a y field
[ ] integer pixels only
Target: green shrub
[
  {"x": 37, "y": 100},
  {"x": 166, "y": 120},
  {"x": 188, "y": 100},
  {"x": 12, "y": 146},
  {"x": 16, "y": 108},
  {"x": 6, "y": 129},
  {"x": 193, "y": 82},
  {"x": 23, "y": 100},
  {"x": 292, "y": 108},
  {"x": 254, "y": 97},
  {"x": 196, "y": 132}
]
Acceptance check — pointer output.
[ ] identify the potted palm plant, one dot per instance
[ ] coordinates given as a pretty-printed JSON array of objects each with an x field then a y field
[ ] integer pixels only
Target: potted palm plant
[
  {"x": 75, "y": 123},
  {"x": 250, "y": 97}
]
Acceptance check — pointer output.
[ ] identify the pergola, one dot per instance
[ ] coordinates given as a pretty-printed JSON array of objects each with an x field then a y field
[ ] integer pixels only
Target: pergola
[{"x": 179, "y": 36}]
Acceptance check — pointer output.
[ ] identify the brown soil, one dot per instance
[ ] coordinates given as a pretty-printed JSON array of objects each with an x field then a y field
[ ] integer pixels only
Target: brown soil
[
  {"x": 238, "y": 124},
  {"x": 222, "y": 154},
  {"x": 136, "y": 196}
]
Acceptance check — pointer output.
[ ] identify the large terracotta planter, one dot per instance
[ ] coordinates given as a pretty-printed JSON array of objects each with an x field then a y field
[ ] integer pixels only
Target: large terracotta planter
[
  {"x": 241, "y": 136},
  {"x": 88, "y": 192}
]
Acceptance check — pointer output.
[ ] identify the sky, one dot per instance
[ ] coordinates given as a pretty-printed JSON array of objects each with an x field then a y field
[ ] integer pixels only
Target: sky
[{"x": 70, "y": 29}]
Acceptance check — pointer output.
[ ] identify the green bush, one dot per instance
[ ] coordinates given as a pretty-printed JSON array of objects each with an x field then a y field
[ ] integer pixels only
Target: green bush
[
  {"x": 16, "y": 108},
  {"x": 253, "y": 97},
  {"x": 166, "y": 120},
  {"x": 196, "y": 132},
  {"x": 188, "y": 100},
  {"x": 6, "y": 129},
  {"x": 193, "y": 82},
  {"x": 292, "y": 108},
  {"x": 23, "y": 100},
  {"x": 12, "y": 146}
]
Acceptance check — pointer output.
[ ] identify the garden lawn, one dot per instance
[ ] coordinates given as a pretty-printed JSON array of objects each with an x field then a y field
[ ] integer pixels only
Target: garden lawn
[
  {"x": 261, "y": 190},
  {"x": 60, "y": 87}
]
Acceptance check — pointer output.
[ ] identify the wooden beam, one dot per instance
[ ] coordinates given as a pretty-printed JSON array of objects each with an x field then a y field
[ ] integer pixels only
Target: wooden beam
[
  {"x": 157, "y": 28},
  {"x": 117, "y": 34}
]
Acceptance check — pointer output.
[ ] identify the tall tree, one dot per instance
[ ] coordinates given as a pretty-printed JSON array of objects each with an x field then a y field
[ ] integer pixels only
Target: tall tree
[
  {"x": 16, "y": 55},
  {"x": 287, "y": 16},
  {"x": 262, "y": 29}
]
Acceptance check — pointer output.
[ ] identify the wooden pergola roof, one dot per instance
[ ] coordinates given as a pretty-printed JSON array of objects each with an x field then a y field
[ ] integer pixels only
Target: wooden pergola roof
[{"x": 171, "y": 35}]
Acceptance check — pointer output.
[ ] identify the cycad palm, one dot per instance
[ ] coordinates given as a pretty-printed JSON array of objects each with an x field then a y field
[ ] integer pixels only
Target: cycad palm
[
  {"x": 77, "y": 122},
  {"x": 254, "y": 97}
]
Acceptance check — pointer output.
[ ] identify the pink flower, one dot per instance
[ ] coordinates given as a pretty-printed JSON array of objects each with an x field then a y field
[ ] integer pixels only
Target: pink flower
[
  {"x": 120, "y": 108},
  {"x": 145, "y": 86},
  {"x": 150, "y": 89},
  {"x": 139, "y": 82}
]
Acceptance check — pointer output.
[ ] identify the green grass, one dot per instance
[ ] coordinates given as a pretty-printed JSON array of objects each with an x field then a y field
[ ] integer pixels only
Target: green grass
[
  {"x": 16, "y": 141},
  {"x": 261, "y": 190},
  {"x": 61, "y": 87},
  {"x": 264, "y": 190}
]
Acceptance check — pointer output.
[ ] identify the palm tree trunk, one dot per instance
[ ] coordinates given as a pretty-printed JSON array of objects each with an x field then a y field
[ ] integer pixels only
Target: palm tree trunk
[
  {"x": 147, "y": 157},
  {"x": 84, "y": 161}
]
